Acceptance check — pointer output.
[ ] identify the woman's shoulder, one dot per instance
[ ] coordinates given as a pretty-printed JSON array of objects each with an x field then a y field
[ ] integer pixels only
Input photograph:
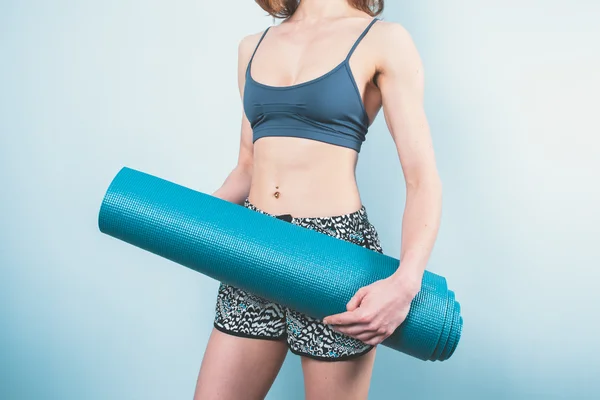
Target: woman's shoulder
[
  {"x": 248, "y": 43},
  {"x": 393, "y": 46},
  {"x": 390, "y": 33},
  {"x": 246, "y": 48}
]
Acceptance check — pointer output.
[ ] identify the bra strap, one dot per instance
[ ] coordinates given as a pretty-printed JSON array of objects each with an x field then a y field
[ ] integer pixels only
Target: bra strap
[
  {"x": 258, "y": 44},
  {"x": 362, "y": 35}
]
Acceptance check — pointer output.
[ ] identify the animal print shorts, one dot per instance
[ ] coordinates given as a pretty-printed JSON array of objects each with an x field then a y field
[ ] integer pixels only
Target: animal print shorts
[{"x": 244, "y": 314}]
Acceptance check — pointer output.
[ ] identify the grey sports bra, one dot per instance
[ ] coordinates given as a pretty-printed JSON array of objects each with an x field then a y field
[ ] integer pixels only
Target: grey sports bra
[{"x": 328, "y": 108}]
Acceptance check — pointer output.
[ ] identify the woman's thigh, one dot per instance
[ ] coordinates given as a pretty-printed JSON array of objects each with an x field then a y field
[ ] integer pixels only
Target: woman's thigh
[
  {"x": 338, "y": 366},
  {"x": 237, "y": 367},
  {"x": 348, "y": 379}
]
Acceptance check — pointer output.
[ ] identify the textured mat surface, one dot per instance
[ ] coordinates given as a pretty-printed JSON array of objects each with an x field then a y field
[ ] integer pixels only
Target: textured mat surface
[{"x": 306, "y": 270}]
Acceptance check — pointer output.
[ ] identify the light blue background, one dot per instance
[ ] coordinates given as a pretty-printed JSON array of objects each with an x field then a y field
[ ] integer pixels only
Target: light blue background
[{"x": 88, "y": 87}]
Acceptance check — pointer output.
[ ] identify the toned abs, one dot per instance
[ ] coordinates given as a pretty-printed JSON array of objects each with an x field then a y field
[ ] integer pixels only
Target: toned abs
[{"x": 302, "y": 177}]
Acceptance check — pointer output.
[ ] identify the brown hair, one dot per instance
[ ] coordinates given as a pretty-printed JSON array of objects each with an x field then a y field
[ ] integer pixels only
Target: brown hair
[{"x": 285, "y": 8}]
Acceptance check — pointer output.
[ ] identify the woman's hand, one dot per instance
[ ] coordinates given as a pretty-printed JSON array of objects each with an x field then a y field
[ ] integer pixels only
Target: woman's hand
[{"x": 376, "y": 310}]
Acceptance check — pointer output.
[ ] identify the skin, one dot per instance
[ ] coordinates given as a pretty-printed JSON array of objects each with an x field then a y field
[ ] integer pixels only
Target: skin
[{"x": 318, "y": 179}]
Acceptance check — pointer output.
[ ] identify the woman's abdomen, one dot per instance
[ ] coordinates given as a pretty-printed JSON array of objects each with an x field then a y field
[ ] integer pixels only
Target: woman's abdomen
[{"x": 303, "y": 177}]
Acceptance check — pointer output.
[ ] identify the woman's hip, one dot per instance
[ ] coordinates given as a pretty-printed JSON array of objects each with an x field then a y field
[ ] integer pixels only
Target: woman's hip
[{"x": 353, "y": 227}]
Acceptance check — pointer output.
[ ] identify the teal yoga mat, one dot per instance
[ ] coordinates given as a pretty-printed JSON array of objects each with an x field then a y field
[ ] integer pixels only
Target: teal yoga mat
[{"x": 303, "y": 269}]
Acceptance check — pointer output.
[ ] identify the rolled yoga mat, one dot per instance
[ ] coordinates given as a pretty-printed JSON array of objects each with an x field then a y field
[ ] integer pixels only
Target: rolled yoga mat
[{"x": 300, "y": 268}]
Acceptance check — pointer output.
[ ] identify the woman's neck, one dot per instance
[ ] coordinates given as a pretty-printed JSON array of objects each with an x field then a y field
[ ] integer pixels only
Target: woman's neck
[{"x": 313, "y": 10}]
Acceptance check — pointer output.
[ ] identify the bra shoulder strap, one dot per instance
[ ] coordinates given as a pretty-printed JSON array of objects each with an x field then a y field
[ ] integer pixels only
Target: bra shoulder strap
[
  {"x": 257, "y": 44},
  {"x": 362, "y": 35}
]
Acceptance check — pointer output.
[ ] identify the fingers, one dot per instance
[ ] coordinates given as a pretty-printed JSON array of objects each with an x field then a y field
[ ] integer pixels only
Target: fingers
[
  {"x": 355, "y": 329},
  {"x": 356, "y": 299},
  {"x": 353, "y": 315},
  {"x": 375, "y": 340},
  {"x": 359, "y": 331},
  {"x": 345, "y": 318},
  {"x": 369, "y": 333},
  {"x": 365, "y": 337},
  {"x": 369, "y": 337}
]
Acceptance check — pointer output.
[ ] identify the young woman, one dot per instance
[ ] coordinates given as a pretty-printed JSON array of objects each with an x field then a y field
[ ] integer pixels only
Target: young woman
[{"x": 311, "y": 86}]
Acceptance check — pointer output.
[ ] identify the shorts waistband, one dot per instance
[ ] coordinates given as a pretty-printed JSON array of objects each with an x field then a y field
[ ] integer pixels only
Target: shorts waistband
[{"x": 360, "y": 214}]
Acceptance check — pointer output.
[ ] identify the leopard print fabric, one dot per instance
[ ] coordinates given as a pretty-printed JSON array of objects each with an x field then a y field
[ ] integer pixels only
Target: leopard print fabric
[{"x": 244, "y": 314}]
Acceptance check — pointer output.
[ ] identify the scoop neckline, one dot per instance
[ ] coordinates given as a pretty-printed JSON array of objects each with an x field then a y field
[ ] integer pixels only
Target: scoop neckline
[
  {"x": 297, "y": 85},
  {"x": 365, "y": 115}
]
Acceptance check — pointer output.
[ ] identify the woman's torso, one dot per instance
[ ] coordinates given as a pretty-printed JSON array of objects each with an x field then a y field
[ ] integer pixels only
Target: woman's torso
[{"x": 309, "y": 175}]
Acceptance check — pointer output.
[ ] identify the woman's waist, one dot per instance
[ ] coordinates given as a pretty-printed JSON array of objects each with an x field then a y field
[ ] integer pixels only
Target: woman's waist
[{"x": 308, "y": 195}]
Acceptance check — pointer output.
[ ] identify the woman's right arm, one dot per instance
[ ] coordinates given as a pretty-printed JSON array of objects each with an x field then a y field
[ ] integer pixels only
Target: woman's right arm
[{"x": 236, "y": 186}]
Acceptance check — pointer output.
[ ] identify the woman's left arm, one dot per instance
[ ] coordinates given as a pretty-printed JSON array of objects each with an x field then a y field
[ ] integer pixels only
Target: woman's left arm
[{"x": 378, "y": 309}]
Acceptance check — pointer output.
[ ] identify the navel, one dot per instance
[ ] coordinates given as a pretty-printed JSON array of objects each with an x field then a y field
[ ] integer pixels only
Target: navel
[{"x": 276, "y": 194}]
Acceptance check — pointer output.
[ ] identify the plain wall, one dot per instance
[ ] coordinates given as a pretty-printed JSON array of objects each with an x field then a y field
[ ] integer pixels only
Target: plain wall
[{"x": 88, "y": 87}]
